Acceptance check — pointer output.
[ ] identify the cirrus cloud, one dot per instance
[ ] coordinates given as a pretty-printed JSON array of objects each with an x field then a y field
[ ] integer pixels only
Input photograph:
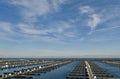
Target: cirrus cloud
[{"x": 31, "y": 10}]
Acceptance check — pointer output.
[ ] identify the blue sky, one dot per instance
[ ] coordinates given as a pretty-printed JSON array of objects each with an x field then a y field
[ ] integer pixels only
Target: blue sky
[{"x": 59, "y": 28}]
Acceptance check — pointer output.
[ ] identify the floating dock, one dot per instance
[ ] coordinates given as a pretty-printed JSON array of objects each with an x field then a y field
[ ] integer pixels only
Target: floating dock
[
  {"x": 27, "y": 73},
  {"x": 89, "y": 70},
  {"x": 80, "y": 72}
]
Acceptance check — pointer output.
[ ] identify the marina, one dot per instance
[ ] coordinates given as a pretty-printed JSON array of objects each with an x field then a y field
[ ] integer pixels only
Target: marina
[{"x": 63, "y": 68}]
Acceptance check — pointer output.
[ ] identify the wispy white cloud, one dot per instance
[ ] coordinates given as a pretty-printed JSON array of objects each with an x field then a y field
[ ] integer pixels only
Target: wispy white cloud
[
  {"x": 6, "y": 26},
  {"x": 29, "y": 29},
  {"x": 105, "y": 34},
  {"x": 93, "y": 18},
  {"x": 57, "y": 3},
  {"x": 57, "y": 27},
  {"x": 86, "y": 9},
  {"x": 94, "y": 21},
  {"x": 5, "y": 30},
  {"x": 29, "y": 32},
  {"x": 103, "y": 39},
  {"x": 70, "y": 34},
  {"x": 62, "y": 26},
  {"x": 32, "y": 9},
  {"x": 103, "y": 29},
  {"x": 100, "y": 20}
]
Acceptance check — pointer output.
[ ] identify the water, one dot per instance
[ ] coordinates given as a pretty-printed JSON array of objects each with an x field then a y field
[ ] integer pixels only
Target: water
[
  {"x": 111, "y": 69},
  {"x": 59, "y": 73}
]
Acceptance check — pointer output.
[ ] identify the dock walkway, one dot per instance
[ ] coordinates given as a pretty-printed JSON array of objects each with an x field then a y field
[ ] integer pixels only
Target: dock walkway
[
  {"x": 89, "y": 70},
  {"x": 80, "y": 72}
]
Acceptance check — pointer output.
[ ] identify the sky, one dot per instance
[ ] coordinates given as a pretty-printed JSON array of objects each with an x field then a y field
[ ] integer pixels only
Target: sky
[{"x": 60, "y": 28}]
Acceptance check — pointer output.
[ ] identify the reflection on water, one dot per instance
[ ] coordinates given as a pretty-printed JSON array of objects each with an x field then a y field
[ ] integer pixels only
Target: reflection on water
[{"x": 111, "y": 69}]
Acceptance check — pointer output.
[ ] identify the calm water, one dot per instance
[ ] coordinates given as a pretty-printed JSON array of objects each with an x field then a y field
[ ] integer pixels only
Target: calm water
[
  {"x": 111, "y": 69},
  {"x": 59, "y": 73}
]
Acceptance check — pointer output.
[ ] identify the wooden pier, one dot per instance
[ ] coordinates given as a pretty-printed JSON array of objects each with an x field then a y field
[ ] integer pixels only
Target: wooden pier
[
  {"x": 89, "y": 70},
  {"x": 9, "y": 65},
  {"x": 96, "y": 72},
  {"x": 80, "y": 72},
  {"x": 27, "y": 73}
]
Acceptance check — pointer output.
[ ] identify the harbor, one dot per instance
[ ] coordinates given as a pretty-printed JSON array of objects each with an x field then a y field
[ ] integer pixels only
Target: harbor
[{"x": 72, "y": 69}]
